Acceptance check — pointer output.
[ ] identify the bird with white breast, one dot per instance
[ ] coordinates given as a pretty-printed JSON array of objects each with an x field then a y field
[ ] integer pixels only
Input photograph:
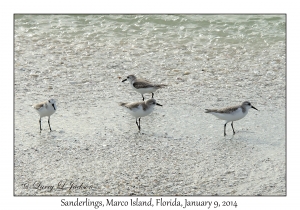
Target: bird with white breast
[
  {"x": 140, "y": 109},
  {"x": 143, "y": 86},
  {"x": 230, "y": 114},
  {"x": 46, "y": 108}
]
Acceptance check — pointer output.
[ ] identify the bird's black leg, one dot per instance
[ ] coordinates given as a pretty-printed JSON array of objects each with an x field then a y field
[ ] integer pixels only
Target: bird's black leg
[
  {"x": 225, "y": 129},
  {"x": 40, "y": 124},
  {"x": 138, "y": 124},
  {"x": 143, "y": 97},
  {"x": 49, "y": 123},
  {"x": 232, "y": 127},
  {"x": 152, "y": 95}
]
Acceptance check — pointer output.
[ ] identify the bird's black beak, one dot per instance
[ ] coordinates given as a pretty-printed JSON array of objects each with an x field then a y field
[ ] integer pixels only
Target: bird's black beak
[
  {"x": 53, "y": 106},
  {"x": 158, "y": 104},
  {"x": 124, "y": 80},
  {"x": 254, "y": 108}
]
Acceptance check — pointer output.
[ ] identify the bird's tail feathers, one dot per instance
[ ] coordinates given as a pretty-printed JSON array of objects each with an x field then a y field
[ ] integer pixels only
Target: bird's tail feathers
[
  {"x": 208, "y": 110},
  {"x": 121, "y": 104},
  {"x": 161, "y": 85}
]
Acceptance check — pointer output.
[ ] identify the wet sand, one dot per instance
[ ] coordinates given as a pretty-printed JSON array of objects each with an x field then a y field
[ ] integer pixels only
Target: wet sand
[{"x": 180, "y": 151}]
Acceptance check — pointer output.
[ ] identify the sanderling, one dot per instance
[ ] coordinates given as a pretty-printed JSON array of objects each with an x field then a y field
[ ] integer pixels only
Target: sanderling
[
  {"x": 140, "y": 109},
  {"x": 142, "y": 86},
  {"x": 232, "y": 113},
  {"x": 44, "y": 109}
]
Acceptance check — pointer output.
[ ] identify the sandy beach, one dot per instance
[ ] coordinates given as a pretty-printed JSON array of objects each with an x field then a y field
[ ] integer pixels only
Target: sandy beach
[{"x": 95, "y": 148}]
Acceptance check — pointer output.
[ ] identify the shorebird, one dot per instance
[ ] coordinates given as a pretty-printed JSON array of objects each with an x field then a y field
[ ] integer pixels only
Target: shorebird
[
  {"x": 142, "y": 86},
  {"x": 140, "y": 109},
  {"x": 230, "y": 114},
  {"x": 44, "y": 109}
]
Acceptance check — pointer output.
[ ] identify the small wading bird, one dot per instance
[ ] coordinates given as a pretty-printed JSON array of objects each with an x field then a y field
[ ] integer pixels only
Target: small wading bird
[
  {"x": 140, "y": 109},
  {"x": 44, "y": 109},
  {"x": 142, "y": 86},
  {"x": 232, "y": 113}
]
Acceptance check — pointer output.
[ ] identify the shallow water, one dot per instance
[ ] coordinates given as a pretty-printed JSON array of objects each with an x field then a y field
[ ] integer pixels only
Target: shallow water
[
  {"x": 234, "y": 51},
  {"x": 207, "y": 61},
  {"x": 196, "y": 30},
  {"x": 164, "y": 41}
]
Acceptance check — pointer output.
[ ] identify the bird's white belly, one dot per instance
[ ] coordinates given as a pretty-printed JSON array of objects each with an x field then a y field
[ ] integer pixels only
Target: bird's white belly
[
  {"x": 139, "y": 112},
  {"x": 233, "y": 116},
  {"x": 46, "y": 112}
]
